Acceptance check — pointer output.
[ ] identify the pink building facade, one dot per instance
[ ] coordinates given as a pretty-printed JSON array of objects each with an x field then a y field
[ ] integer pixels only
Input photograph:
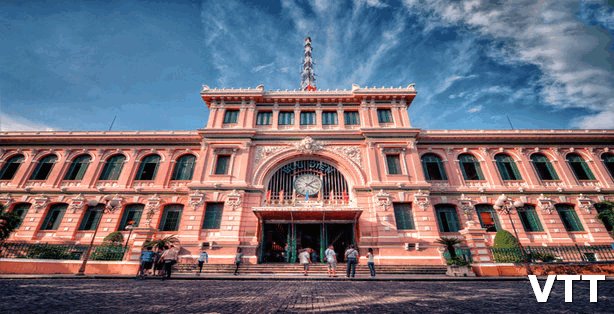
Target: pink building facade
[{"x": 276, "y": 171}]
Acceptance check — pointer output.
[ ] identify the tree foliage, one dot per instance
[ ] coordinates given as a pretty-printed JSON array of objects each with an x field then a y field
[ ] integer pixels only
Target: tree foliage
[
  {"x": 606, "y": 215},
  {"x": 162, "y": 242},
  {"x": 114, "y": 237},
  {"x": 8, "y": 223},
  {"x": 505, "y": 240}
]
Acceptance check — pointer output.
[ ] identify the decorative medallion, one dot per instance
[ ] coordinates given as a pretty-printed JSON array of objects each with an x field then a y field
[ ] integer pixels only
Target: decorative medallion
[
  {"x": 77, "y": 203},
  {"x": 422, "y": 199},
  {"x": 233, "y": 200},
  {"x": 383, "y": 199},
  {"x": 308, "y": 146},
  {"x": 196, "y": 199}
]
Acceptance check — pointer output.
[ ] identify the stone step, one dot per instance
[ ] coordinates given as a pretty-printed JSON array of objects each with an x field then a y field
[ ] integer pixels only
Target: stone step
[{"x": 294, "y": 268}]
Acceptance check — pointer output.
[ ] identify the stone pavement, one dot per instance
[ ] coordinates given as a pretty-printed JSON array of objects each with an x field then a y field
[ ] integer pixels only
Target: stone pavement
[{"x": 267, "y": 296}]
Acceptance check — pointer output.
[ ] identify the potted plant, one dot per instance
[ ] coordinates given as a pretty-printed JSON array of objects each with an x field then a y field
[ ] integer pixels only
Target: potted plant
[{"x": 457, "y": 265}]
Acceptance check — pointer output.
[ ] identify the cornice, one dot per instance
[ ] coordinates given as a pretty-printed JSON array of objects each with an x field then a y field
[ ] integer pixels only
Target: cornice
[{"x": 99, "y": 137}]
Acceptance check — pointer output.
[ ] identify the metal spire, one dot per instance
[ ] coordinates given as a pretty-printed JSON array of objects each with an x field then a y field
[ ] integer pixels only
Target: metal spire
[{"x": 308, "y": 77}]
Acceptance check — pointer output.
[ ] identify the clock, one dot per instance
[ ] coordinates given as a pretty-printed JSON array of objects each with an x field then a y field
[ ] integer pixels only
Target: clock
[{"x": 308, "y": 184}]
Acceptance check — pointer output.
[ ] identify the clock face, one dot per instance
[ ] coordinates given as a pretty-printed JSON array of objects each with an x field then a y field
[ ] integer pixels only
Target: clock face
[{"x": 307, "y": 184}]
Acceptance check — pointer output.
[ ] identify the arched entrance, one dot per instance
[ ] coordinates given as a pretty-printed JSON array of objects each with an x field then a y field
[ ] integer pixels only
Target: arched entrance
[{"x": 306, "y": 206}]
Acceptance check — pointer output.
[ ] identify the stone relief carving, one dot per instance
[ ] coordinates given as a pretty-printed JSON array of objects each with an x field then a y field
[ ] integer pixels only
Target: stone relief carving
[
  {"x": 77, "y": 203},
  {"x": 153, "y": 204},
  {"x": 383, "y": 199},
  {"x": 422, "y": 199},
  {"x": 351, "y": 152},
  {"x": 308, "y": 146},
  {"x": 196, "y": 199},
  {"x": 263, "y": 152},
  {"x": 233, "y": 200},
  {"x": 545, "y": 203}
]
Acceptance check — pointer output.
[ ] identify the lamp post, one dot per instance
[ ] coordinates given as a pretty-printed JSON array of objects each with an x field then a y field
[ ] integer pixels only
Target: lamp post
[
  {"x": 506, "y": 205},
  {"x": 110, "y": 205},
  {"x": 129, "y": 226}
]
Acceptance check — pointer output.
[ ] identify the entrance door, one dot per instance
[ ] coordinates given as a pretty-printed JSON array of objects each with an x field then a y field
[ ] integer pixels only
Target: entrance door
[{"x": 281, "y": 242}]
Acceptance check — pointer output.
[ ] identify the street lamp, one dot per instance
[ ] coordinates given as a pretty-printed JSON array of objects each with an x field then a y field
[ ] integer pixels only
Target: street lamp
[
  {"x": 129, "y": 226},
  {"x": 506, "y": 205},
  {"x": 110, "y": 205}
]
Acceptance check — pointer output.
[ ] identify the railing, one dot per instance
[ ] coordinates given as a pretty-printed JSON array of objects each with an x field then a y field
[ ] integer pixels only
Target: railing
[
  {"x": 548, "y": 254},
  {"x": 60, "y": 251},
  {"x": 462, "y": 253}
]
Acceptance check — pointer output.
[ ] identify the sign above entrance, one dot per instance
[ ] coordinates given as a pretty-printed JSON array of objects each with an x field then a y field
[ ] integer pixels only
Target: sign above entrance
[{"x": 307, "y": 165}]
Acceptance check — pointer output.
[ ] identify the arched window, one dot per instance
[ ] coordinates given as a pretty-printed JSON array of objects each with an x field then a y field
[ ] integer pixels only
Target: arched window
[
  {"x": 43, "y": 168},
  {"x": 447, "y": 218},
  {"x": 91, "y": 218},
  {"x": 507, "y": 167},
  {"x": 171, "y": 217},
  {"x": 569, "y": 217},
  {"x": 184, "y": 168},
  {"x": 21, "y": 210},
  {"x": 579, "y": 167},
  {"x": 470, "y": 167},
  {"x": 54, "y": 216},
  {"x": 113, "y": 167},
  {"x": 148, "y": 168},
  {"x": 543, "y": 167},
  {"x": 433, "y": 167},
  {"x": 608, "y": 162},
  {"x": 78, "y": 167},
  {"x": 132, "y": 215},
  {"x": 488, "y": 217},
  {"x": 10, "y": 167}
]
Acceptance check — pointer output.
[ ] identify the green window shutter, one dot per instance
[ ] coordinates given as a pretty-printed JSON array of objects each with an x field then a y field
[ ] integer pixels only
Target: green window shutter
[
  {"x": 478, "y": 170},
  {"x": 462, "y": 168},
  {"x": 502, "y": 170},
  {"x": 588, "y": 171},
  {"x": 515, "y": 170},
  {"x": 403, "y": 216},
  {"x": 442, "y": 170},
  {"x": 213, "y": 215},
  {"x": 551, "y": 170},
  {"x": 533, "y": 219},
  {"x": 427, "y": 175},
  {"x": 453, "y": 221}
]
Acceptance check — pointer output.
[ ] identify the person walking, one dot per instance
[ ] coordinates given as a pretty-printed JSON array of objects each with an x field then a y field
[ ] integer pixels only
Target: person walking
[
  {"x": 371, "y": 262},
  {"x": 351, "y": 256},
  {"x": 305, "y": 259},
  {"x": 158, "y": 262},
  {"x": 170, "y": 258},
  {"x": 238, "y": 260},
  {"x": 331, "y": 261},
  {"x": 202, "y": 259},
  {"x": 147, "y": 259}
]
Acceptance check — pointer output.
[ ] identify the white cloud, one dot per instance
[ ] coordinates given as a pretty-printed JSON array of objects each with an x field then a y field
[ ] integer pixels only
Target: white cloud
[
  {"x": 371, "y": 3},
  {"x": 262, "y": 67},
  {"x": 574, "y": 59},
  {"x": 16, "y": 123},
  {"x": 475, "y": 109}
]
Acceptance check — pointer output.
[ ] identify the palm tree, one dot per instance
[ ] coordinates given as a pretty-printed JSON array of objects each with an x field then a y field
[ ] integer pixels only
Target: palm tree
[
  {"x": 162, "y": 242},
  {"x": 449, "y": 243}
]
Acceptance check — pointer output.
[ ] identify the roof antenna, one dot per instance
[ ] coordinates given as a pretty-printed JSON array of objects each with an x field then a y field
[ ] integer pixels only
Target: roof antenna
[
  {"x": 308, "y": 78},
  {"x": 510, "y": 121},
  {"x": 111, "y": 126}
]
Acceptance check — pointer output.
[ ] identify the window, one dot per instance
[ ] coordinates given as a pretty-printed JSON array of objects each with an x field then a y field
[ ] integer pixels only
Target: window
[
  {"x": 608, "y": 162},
  {"x": 184, "y": 168},
  {"x": 213, "y": 215},
  {"x": 221, "y": 164},
  {"x": 113, "y": 167},
  {"x": 43, "y": 168},
  {"x": 286, "y": 118},
  {"x": 543, "y": 167},
  {"x": 393, "y": 161},
  {"x": 91, "y": 218},
  {"x": 148, "y": 168},
  {"x": 529, "y": 219},
  {"x": 384, "y": 116},
  {"x": 507, "y": 167},
  {"x": 10, "y": 167},
  {"x": 488, "y": 217},
  {"x": 54, "y": 217},
  {"x": 569, "y": 217},
  {"x": 579, "y": 167},
  {"x": 264, "y": 118},
  {"x": 171, "y": 217},
  {"x": 403, "y": 216},
  {"x": 78, "y": 167},
  {"x": 231, "y": 116},
  {"x": 21, "y": 210},
  {"x": 308, "y": 118},
  {"x": 132, "y": 213},
  {"x": 470, "y": 167},
  {"x": 433, "y": 167},
  {"x": 351, "y": 118},
  {"x": 329, "y": 118},
  {"x": 447, "y": 218}
]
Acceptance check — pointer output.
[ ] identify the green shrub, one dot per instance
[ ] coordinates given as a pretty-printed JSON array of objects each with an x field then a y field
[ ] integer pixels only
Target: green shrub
[
  {"x": 457, "y": 261},
  {"x": 506, "y": 248},
  {"x": 114, "y": 237},
  {"x": 108, "y": 252},
  {"x": 51, "y": 252}
]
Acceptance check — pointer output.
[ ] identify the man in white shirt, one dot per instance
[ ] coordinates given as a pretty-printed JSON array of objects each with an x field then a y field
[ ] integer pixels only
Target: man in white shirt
[
  {"x": 304, "y": 258},
  {"x": 331, "y": 261}
]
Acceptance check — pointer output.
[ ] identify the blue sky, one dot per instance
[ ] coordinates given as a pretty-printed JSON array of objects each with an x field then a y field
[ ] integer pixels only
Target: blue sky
[{"x": 69, "y": 65}]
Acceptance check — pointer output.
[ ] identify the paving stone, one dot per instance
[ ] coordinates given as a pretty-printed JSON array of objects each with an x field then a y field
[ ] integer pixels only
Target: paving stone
[{"x": 262, "y": 296}]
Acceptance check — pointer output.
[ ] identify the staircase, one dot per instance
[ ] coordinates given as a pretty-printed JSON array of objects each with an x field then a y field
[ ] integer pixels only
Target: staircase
[{"x": 287, "y": 269}]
